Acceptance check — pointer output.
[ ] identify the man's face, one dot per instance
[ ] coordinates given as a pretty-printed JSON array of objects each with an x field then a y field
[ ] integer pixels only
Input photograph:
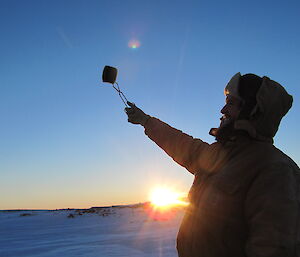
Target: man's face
[{"x": 230, "y": 111}]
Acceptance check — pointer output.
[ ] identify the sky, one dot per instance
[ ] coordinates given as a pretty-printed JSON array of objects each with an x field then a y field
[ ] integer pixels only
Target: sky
[{"x": 65, "y": 139}]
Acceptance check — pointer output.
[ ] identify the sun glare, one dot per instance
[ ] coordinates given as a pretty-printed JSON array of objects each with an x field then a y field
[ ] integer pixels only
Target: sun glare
[{"x": 165, "y": 197}]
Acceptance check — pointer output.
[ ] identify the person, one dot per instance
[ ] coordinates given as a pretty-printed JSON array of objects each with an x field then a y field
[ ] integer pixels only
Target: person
[{"x": 244, "y": 200}]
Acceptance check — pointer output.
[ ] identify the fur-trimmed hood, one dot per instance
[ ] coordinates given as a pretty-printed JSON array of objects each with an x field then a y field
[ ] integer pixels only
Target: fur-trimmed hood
[{"x": 273, "y": 102}]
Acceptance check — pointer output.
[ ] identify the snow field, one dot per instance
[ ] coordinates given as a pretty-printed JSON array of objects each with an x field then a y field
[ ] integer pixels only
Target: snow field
[{"x": 116, "y": 231}]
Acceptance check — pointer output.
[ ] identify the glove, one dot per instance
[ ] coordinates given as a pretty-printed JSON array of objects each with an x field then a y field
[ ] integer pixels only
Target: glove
[{"x": 136, "y": 115}]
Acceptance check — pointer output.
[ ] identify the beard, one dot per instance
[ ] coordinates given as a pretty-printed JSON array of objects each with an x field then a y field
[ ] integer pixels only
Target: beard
[{"x": 225, "y": 130}]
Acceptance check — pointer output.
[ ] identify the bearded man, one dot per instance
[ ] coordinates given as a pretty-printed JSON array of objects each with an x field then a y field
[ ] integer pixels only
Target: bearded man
[{"x": 244, "y": 201}]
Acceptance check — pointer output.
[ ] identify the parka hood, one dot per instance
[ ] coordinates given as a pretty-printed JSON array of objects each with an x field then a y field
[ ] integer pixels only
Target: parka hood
[{"x": 273, "y": 102}]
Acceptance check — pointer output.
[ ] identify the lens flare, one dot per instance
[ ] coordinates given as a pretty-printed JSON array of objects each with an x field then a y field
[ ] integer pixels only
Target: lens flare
[{"x": 134, "y": 44}]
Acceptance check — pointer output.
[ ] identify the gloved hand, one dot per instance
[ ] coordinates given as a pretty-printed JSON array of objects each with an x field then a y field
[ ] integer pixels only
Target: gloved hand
[{"x": 136, "y": 115}]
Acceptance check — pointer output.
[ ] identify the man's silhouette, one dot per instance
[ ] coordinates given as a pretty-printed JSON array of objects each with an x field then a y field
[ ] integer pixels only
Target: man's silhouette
[{"x": 244, "y": 200}]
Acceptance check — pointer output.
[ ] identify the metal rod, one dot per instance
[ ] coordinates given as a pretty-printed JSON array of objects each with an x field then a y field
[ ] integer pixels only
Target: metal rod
[{"x": 122, "y": 96}]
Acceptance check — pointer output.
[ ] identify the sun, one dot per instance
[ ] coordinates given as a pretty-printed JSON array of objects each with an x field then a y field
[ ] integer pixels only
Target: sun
[{"x": 162, "y": 197}]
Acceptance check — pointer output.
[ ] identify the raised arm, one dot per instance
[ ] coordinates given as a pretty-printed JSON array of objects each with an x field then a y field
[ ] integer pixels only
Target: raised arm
[{"x": 184, "y": 149}]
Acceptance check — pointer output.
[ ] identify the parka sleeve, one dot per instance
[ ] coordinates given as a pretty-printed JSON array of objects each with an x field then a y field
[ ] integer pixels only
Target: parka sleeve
[
  {"x": 184, "y": 149},
  {"x": 272, "y": 213}
]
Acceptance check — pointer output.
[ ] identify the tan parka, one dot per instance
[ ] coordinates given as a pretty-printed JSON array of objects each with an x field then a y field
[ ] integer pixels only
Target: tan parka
[{"x": 244, "y": 200}]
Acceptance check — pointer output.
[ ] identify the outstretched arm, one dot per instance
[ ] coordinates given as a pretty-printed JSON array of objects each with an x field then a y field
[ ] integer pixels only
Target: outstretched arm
[{"x": 184, "y": 149}]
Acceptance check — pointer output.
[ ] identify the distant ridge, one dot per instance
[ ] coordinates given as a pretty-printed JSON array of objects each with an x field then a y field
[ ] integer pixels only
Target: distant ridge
[{"x": 137, "y": 205}]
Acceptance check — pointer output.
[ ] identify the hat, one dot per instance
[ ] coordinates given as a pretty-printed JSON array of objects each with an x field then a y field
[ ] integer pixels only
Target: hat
[{"x": 244, "y": 88}]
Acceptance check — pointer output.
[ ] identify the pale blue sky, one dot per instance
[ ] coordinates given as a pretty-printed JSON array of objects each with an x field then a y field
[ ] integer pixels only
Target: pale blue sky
[{"x": 65, "y": 140}]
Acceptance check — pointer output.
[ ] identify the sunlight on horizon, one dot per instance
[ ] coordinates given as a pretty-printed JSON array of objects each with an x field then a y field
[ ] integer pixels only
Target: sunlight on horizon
[
  {"x": 164, "y": 203},
  {"x": 163, "y": 197}
]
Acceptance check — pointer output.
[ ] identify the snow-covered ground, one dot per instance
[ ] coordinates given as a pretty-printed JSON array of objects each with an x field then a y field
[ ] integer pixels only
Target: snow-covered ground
[{"x": 118, "y": 231}]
